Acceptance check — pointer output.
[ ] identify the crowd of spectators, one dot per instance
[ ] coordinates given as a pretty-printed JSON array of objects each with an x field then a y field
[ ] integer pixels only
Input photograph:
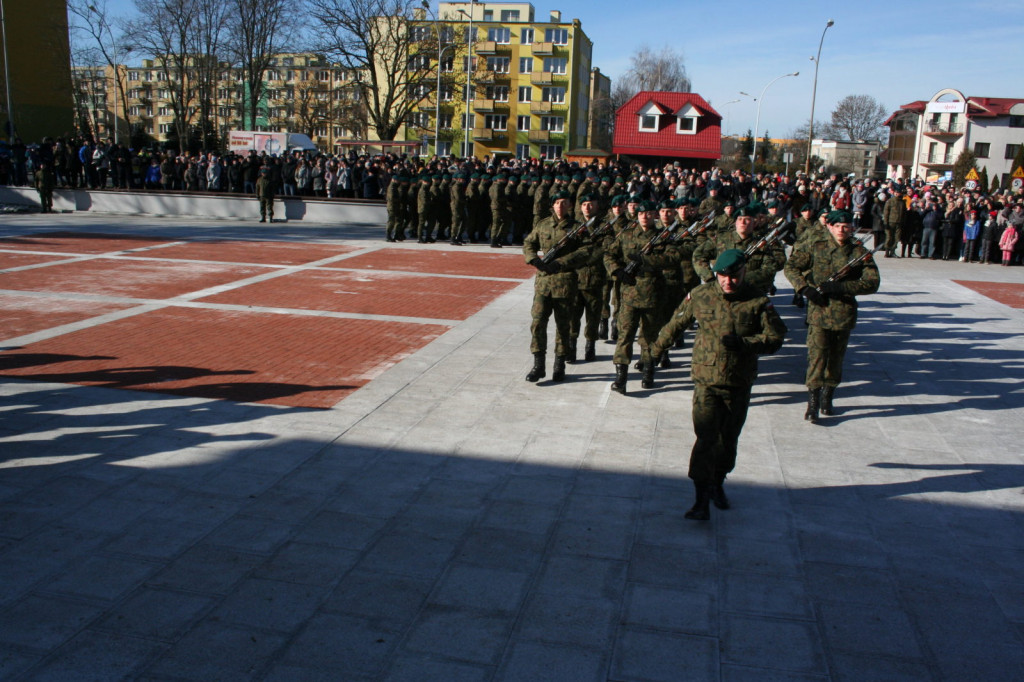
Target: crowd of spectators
[{"x": 938, "y": 221}]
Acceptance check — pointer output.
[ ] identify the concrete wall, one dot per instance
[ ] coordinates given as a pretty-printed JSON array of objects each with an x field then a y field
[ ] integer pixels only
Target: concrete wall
[{"x": 227, "y": 206}]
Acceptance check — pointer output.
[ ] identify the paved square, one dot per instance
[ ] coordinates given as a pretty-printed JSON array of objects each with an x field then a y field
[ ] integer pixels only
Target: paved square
[
  {"x": 1007, "y": 293},
  {"x": 508, "y": 264},
  {"x": 22, "y": 315},
  {"x": 267, "y": 253}
]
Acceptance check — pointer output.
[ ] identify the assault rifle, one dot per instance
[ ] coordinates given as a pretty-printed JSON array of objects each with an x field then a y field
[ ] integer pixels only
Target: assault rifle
[
  {"x": 570, "y": 236},
  {"x": 696, "y": 229},
  {"x": 657, "y": 240},
  {"x": 777, "y": 233},
  {"x": 842, "y": 272}
]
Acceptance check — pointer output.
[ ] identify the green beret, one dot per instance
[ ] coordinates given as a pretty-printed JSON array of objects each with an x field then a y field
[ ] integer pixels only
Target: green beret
[
  {"x": 460, "y": 176},
  {"x": 501, "y": 176},
  {"x": 547, "y": 177},
  {"x": 605, "y": 178},
  {"x": 590, "y": 196},
  {"x": 634, "y": 199},
  {"x": 806, "y": 207},
  {"x": 648, "y": 206},
  {"x": 619, "y": 180},
  {"x": 619, "y": 200},
  {"x": 729, "y": 262},
  {"x": 823, "y": 211},
  {"x": 474, "y": 176},
  {"x": 577, "y": 177},
  {"x": 561, "y": 194},
  {"x": 835, "y": 217},
  {"x": 446, "y": 176},
  {"x": 591, "y": 175},
  {"x": 771, "y": 204},
  {"x": 747, "y": 211},
  {"x": 667, "y": 203},
  {"x": 513, "y": 178},
  {"x": 436, "y": 176}
]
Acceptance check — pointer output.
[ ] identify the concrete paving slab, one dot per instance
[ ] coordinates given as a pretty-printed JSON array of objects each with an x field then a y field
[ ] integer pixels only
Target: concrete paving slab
[{"x": 447, "y": 520}]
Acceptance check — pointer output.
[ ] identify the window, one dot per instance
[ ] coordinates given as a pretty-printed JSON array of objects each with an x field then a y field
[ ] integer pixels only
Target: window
[
  {"x": 1011, "y": 151},
  {"x": 526, "y": 36},
  {"x": 981, "y": 149},
  {"x": 472, "y": 68},
  {"x": 499, "y": 64},
  {"x": 525, "y": 93},
  {"x": 496, "y": 121},
  {"x": 149, "y": 111},
  {"x": 467, "y": 36},
  {"x": 526, "y": 65},
  {"x": 417, "y": 62},
  {"x": 149, "y": 130},
  {"x": 165, "y": 127},
  {"x": 447, "y": 64},
  {"x": 223, "y": 93},
  {"x": 446, "y": 92},
  {"x": 272, "y": 75},
  {"x": 164, "y": 111},
  {"x": 555, "y": 64},
  {"x": 288, "y": 61},
  {"x": 134, "y": 110},
  {"x": 1017, "y": 121},
  {"x": 447, "y": 34},
  {"x": 418, "y": 119},
  {"x": 133, "y": 75},
  {"x": 502, "y": 36},
  {"x": 553, "y": 124},
  {"x": 419, "y": 91},
  {"x": 509, "y": 15},
  {"x": 163, "y": 93},
  {"x": 499, "y": 93},
  {"x": 522, "y": 151},
  {"x": 471, "y": 123},
  {"x": 444, "y": 148},
  {"x": 649, "y": 123},
  {"x": 323, "y": 75},
  {"x": 553, "y": 95},
  {"x": 488, "y": 15},
  {"x": 418, "y": 33},
  {"x": 550, "y": 151},
  {"x": 445, "y": 121},
  {"x": 148, "y": 76},
  {"x": 686, "y": 125},
  {"x": 522, "y": 123},
  {"x": 558, "y": 36}
]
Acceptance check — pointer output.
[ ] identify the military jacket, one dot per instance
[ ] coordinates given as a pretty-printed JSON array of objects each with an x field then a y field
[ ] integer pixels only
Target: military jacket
[
  {"x": 591, "y": 275},
  {"x": 457, "y": 197},
  {"x": 499, "y": 197},
  {"x": 811, "y": 263},
  {"x": 544, "y": 236},
  {"x": 894, "y": 210},
  {"x": 264, "y": 188},
  {"x": 541, "y": 201},
  {"x": 650, "y": 282},
  {"x": 761, "y": 265},
  {"x": 747, "y": 313}
]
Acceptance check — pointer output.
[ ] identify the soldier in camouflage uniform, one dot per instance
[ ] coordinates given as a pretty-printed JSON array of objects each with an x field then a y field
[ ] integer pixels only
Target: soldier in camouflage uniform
[
  {"x": 424, "y": 210},
  {"x": 555, "y": 287},
  {"x": 457, "y": 205},
  {"x": 640, "y": 291},
  {"x": 396, "y": 197},
  {"x": 542, "y": 199},
  {"x": 737, "y": 323},
  {"x": 591, "y": 279},
  {"x": 610, "y": 293},
  {"x": 265, "y": 194},
  {"x": 498, "y": 195},
  {"x": 831, "y": 307},
  {"x": 761, "y": 266}
]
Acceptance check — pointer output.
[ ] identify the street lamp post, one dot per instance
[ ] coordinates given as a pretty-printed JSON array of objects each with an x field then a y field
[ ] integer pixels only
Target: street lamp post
[
  {"x": 814, "y": 95},
  {"x": 757, "y": 121},
  {"x": 732, "y": 101},
  {"x": 7, "y": 77},
  {"x": 470, "y": 39}
]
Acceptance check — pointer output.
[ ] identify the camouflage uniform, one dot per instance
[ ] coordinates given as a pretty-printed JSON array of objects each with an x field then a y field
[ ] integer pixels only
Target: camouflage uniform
[
  {"x": 424, "y": 211},
  {"x": 541, "y": 202},
  {"x": 552, "y": 292},
  {"x": 761, "y": 265},
  {"x": 590, "y": 297},
  {"x": 721, "y": 377},
  {"x": 457, "y": 204},
  {"x": 396, "y": 210},
  {"x": 265, "y": 193},
  {"x": 498, "y": 195},
  {"x": 829, "y": 325},
  {"x": 893, "y": 213}
]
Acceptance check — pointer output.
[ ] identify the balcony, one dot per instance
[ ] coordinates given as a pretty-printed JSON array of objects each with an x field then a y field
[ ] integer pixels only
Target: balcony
[
  {"x": 539, "y": 136},
  {"x": 483, "y": 105},
  {"x": 543, "y": 48},
  {"x": 541, "y": 78},
  {"x": 943, "y": 129},
  {"x": 483, "y": 134},
  {"x": 935, "y": 160},
  {"x": 486, "y": 47},
  {"x": 485, "y": 77},
  {"x": 540, "y": 107}
]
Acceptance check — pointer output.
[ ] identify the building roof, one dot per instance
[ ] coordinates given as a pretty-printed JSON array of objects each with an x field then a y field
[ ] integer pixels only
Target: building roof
[
  {"x": 977, "y": 107},
  {"x": 629, "y": 139}
]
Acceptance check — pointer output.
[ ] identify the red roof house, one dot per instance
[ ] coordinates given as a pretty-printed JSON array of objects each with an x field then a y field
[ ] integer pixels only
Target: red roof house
[{"x": 668, "y": 126}]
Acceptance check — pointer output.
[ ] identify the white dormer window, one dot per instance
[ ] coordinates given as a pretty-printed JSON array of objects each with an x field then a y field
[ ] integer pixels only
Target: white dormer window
[
  {"x": 650, "y": 116},
  {"x": 686, "y": 120}
]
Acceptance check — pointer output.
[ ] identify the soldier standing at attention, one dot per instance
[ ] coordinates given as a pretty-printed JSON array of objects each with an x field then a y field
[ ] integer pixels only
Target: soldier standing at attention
[
  {"x": 893, "y": 213},
  {"x": 761, "y": 266},
  {"x": 457, "y": 195},
  {"x": 499, "y": 210},
  {"x": 395, "y": 230},
  {"x": 554, "y": 289},
  {"x": 831, "y": 306},
  {"x": 265, "y": 193},
  {"x": 43, "y": 180},
  {"x": 640, "y": 291},
  {"x": 590, "y": 279},
  {"x": 737, "y": 323}
]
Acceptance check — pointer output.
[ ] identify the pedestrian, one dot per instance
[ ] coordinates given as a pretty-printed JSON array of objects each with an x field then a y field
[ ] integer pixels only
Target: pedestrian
[
  {"x": 972, "y": 232},
  {"x": 737, "y": 322},
  {"x": 265, "y": 194},
  {"x": 1008, "y": 242},
  {"x": 989, "y": 238},
  {"x": 830, "y": 274}
]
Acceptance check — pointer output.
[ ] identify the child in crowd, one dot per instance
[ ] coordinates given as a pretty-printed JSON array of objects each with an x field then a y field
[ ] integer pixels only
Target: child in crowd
[
  {"x": 1007, "y": 243},
  {"x": 972, "y": 230}
]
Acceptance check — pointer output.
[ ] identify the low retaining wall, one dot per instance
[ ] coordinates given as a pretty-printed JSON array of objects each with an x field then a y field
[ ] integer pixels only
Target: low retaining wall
[{"x": 224, "y": 206}]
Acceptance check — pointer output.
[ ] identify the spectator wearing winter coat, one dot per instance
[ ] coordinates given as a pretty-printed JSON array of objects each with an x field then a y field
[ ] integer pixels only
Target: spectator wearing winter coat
[{"x": 989, "y": 238}]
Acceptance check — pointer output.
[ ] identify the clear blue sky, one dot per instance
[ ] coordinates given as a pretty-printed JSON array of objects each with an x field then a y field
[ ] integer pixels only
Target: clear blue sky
[{"x": 895, "y": 51}]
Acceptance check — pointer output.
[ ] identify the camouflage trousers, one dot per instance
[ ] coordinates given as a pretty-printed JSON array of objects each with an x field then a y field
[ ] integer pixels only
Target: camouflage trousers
[
  {"x": 826, "y": 349},
  {"x": 396, "y": 224},
  {"x": 267, "y": 208},
  {"x": 718, "y": 416},
  {"x": 543, "y": 307},
  {"x": 630, "y": 320},
  {"x": 587, "y": 301},
  {"x": 499, "y": 224}
]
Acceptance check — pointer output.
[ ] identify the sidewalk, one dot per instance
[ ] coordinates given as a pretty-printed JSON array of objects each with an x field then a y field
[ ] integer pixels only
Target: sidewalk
[{"x": 446, "y": 520}]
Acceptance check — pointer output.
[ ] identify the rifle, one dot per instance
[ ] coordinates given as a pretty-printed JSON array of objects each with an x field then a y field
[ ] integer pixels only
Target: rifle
[
  {"x": 696, "y": 229},
  {"x": 570, "y": 236},
  {"x": 778, "y": 232},
  {"x": 656, "y": 240},
  {"x": 842, "y": 272}
]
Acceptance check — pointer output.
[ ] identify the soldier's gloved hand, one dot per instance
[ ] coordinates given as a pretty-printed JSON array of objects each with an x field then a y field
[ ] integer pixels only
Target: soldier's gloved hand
[
  {"x": 552, "y": 268},
  {"x": 831, "y": 288},
  {"x": 537, "y": 263},
  {"x": 624, "y": 277},
  {"x": 733, "y": 342},
  {"x": 813, "y": 295}
]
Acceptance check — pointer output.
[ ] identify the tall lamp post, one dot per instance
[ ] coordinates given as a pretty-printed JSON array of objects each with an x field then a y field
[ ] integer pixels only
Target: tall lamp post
[
  {"x": 470, "y": 39},
  {"x": 113, "y": 54},
  {"x": 757, "y": 121},
  {"x": 814, "y": 95},
  {"x": 7, "y": 78},
  {"x": 732, "y": 101}
]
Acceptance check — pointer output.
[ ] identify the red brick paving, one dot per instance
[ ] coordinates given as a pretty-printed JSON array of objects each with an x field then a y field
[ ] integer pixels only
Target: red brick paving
[
  {"x": 293, "y": 360},
  {"x": 78, "y": 242},
  {"x": 267, "y": 253},
  {"x": 428, "y": 260},
  {"x": 370, "y": 293},
  {"x": 20, "y": 315},
  {"x": 116, "y": 277},
  {"x": 1001, "y": 292},
  {"x": 17, "y": 260}
]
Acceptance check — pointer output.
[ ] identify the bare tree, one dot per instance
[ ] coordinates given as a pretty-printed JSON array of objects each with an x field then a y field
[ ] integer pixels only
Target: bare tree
[
  {"x": 822, "y": 130},
  {"x": 387, "y": 46},
  {"x": 859, "y": 117},
  {"x": 211, "y": 33},
  {"x": 663, "y": 71},
  {"x": 92, "y": 27},
  {"x": 259, "y": 30}
]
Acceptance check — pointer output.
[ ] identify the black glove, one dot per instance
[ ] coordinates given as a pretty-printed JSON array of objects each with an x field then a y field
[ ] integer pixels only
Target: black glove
[
  {"x": 637, "y": 258},
  {"x": 624, "y": 277},
  {"x": 733, "y": 342},
  {"x": 831, "y": 288},
  {"x": 537, "y": 263},
  {"x": 813, "y": 295},
  {"x": 553, "y": 268}
]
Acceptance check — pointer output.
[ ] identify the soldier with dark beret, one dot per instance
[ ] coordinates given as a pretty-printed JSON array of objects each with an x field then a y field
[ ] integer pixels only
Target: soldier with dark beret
[
  {"x": 500, "y": 215},
  {"x": 555, "y": 287},
  {"x": 591, "y": 279},
  {"x": 831, "y": 305},
  {"x": 761, "y": 265},
  {"x": 736, "y": 324},
  {"x": 265, "y": 194}
]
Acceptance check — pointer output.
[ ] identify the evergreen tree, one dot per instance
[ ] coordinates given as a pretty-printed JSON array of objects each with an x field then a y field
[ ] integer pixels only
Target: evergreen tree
[
  {"x": 964, "y": 163},
  {"x": 747, "y": 145},
  {"x": 983, "y": 183},
  {"x": 995, "y": 185},
  {"x": 1018, "y": 159}
]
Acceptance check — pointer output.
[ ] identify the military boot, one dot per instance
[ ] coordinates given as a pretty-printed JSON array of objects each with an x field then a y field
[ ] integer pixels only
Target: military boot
[
  {"x": 570, "y": 352},
  {"x": 663, "y": 360},
  {"x": 619, "y": 385},
  {"x": 590, "y": 353},
  {"x": 718, "y": 498},
  {"x": 602, "y": 329},
  {"x": 558, "y": 371},
  {"x": 680, "y": 341},
  {"x": 615, "y": 331},
  {"x": 538, "y": 371},
  {"x": 813, "y": 401},
  {"x": 826, "y": 400},
  {"x": 648, "y": 376},
  {"x": 700, "y": 510}
]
